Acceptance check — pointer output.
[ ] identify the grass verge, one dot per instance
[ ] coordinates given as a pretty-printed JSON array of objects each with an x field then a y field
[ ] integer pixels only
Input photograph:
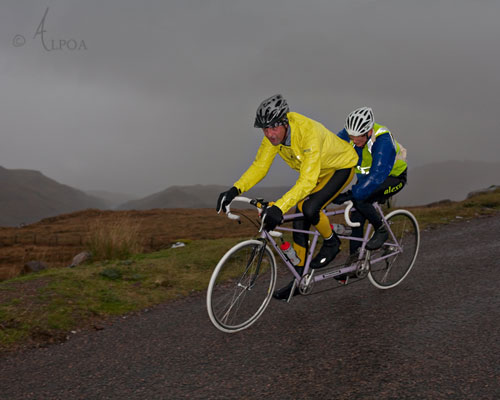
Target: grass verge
[
  {"x": 42, "y": 308},
  {"x": 480, "y": 205}
]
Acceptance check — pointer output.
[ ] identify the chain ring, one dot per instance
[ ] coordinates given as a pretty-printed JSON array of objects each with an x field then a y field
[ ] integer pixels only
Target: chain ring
[
  {"x": 306, "y": 287},
  {"x": 363, "y": 267}
]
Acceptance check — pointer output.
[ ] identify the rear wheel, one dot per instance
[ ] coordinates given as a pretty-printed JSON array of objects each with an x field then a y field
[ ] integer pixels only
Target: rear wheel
[
  {"x": 398, "y": 256},
  {"x": 241, "y": 286}
]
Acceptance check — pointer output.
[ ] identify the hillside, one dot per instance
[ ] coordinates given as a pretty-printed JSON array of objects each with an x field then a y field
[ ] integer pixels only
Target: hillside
[
  {"x": 430, "y": 183},
  {"x": 28, "y": 196},
  {"x": 447, "y": 180}
]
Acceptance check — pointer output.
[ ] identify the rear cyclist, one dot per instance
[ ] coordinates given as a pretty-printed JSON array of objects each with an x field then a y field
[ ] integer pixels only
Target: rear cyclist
[
  {"x": 381, "y": 173},
  {"x": 326, "y": 166}
]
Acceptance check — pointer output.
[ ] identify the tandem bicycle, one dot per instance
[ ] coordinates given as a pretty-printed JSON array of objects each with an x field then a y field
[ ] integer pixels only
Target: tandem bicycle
[{"x": 243, "y": 282}]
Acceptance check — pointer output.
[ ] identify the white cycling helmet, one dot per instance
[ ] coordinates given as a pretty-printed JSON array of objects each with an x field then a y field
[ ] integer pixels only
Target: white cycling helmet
[{"x": 359, "y": 122}]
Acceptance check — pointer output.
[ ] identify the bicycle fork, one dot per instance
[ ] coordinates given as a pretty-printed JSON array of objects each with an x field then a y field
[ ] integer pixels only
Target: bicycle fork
[{"x": 259, "y": 252}]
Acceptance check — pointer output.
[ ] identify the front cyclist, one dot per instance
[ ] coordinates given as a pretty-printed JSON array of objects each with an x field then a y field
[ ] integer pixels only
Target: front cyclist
[
  {"x": 325, "y": 164},
  {"x": 381, "y": 173}
]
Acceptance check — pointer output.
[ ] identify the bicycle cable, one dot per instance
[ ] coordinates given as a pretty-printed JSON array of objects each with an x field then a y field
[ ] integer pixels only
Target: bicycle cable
[{"x": 255, "y": 223}]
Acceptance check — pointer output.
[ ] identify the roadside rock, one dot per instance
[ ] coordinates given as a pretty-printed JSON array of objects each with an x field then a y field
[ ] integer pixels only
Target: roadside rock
[
  {"x": 80, "y": 259},
  {"x": 33, "y": 266}
]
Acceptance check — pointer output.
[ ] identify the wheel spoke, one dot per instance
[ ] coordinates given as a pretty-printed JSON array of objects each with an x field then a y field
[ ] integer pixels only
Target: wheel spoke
[{"x": 232, "y": 303}]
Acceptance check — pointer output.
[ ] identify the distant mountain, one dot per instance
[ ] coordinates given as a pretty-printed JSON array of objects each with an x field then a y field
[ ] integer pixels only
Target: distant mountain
[
  {"x": 111, "y": 199},
  {"x": 451, "y": 180},
  {"x": 196, "y": 196},
  {"x": 433, "y": 182},
  {"x": 27, "y": 196}
]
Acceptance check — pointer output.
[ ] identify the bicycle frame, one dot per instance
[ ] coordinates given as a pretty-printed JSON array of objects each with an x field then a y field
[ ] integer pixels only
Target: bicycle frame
[{"x": 322, "y": 275}]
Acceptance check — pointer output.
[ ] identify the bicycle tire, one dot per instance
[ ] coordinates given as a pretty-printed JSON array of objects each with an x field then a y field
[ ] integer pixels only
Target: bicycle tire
[
  {"x": 391, "y": 271},
  {"x": 241, "y": 286}
]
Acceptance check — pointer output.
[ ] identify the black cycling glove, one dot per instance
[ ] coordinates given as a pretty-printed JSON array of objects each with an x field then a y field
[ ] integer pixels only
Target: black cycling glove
[
  {"x": 272, "y": 218},
  {"x": 342, "y": 197},
  {"x": 225, "y": 198}
]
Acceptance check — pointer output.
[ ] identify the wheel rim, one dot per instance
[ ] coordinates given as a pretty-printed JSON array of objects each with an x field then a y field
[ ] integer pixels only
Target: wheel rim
[
  {"x": 399, "y": 259},
  {"x": 241, "y": 287}
]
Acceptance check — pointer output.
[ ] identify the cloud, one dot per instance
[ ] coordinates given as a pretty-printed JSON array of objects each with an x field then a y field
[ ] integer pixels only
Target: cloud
[{"x": 165, "y": 92}]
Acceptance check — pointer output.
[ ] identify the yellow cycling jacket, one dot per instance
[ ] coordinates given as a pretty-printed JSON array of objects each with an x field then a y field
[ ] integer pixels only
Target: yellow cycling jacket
[{"x": 314, "y": 151}]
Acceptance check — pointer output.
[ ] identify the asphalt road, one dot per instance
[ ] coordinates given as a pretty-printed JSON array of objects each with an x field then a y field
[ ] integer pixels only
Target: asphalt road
[{"x": 435, "y": 336}]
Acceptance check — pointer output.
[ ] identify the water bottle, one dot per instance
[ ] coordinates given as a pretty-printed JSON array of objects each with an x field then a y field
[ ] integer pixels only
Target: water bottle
[
  {"x": 340, "y": 229},
  {"x": 290, "y": 253}
]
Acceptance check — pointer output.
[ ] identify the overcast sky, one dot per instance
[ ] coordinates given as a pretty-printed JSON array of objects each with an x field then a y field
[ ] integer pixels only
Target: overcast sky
[{"x": 160, "y": 93}]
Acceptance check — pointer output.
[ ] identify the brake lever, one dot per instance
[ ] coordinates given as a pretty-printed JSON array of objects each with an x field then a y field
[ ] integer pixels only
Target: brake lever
[{"x": 221, "y": 204}]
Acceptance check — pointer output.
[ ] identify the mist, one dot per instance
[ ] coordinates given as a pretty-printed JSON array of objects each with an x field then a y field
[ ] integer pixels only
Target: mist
[{"x": 164, "y": 93}]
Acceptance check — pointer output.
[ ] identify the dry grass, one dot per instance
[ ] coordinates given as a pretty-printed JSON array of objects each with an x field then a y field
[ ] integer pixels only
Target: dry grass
[
  {"x": 56, "y": 240},
  {"x": 114, "y": 240}
]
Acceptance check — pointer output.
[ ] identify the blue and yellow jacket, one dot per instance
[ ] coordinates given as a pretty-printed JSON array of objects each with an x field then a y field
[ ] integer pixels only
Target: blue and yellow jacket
[
  {"x": 381, "y": 157},
  {"x": 310, "y": 148}
]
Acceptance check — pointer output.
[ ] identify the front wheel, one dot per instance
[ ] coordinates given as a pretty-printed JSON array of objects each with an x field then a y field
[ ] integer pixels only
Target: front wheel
[
  {"x": 241, "y": 286},
  {"x": 398, "y": 254}
]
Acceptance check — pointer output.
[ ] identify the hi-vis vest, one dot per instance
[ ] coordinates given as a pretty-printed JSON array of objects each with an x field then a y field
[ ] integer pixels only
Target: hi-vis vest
[{"x": 366, "y": 160}]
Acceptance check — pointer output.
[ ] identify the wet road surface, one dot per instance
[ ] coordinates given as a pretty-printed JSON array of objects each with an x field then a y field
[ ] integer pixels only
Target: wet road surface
[{"x": 435, "y": 336}]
